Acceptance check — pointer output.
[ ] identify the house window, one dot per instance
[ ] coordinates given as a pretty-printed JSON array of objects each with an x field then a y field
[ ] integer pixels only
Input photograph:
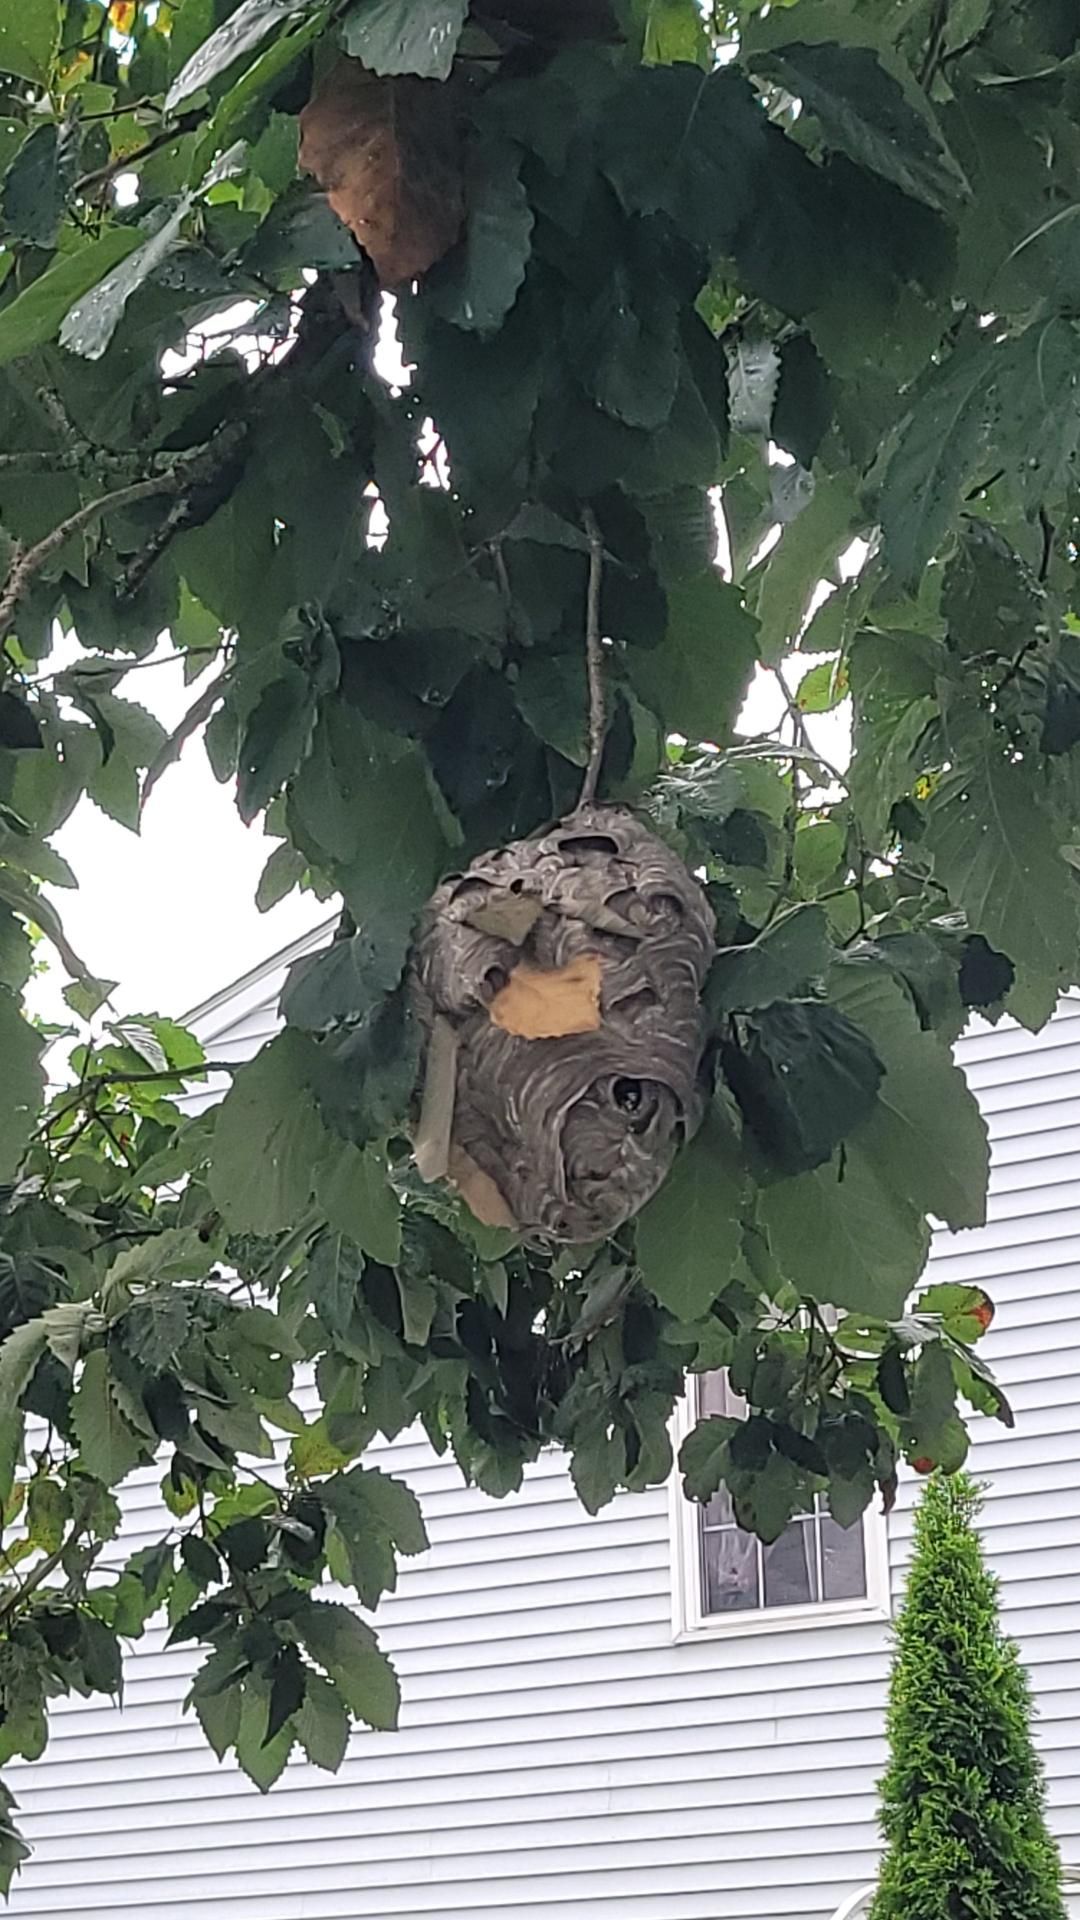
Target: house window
[{"x": 727, "y": 1580}]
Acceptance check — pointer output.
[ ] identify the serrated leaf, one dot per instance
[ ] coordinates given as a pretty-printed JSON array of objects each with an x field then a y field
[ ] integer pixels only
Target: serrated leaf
[
  {"x": 689, "y": 1235},
  {"x": 784, "y": 959},
  {"x": 85, "y": 997},
  {"x": 268, "y": 1141},
  {"x": 262, "y": 1756},
  {"x": 845, "y": 1236},
  {"x": 109, "y": 1448},
  {"x": 274, "y": 742},
  {"x": 354, "y": 1190},
  {"x": 35, "y": 187},
  {"x": 241, "y": 33},
  {"x": 925, "y": 1134},
  {"x": 28, "y": 41},
  {"x": 805, "y": 555},
  {"x": 346, "y": 1648},
  {"x": 804, "y": 1076},
  {"x": 23, "y": 1082},
  {"x": 1012, "y": 400},
  {"x": 995, "y": 846},
  {"x": 697, "y": 678},
  {"x": 322, "y": 1724},
  {"x": 405, "y": 36},
  {"x": 287, "y": 1686},
  {"x": 89, "y": 324},
  {"x": 19, "y": 1355},
  {"x": 597, "y": 1466},
  {"x": 870, "y": 108},
  {"x": 703, "y": 1456},
  {"x": 219, "y": 1717}
]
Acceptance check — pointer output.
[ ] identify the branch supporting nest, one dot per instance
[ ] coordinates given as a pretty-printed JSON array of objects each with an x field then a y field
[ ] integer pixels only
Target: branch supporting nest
[{"x": 594, "y": 661}]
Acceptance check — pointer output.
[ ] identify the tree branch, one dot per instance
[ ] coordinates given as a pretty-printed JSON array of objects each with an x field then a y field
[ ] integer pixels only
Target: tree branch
[
  {"x": 29, "y": 561},
  {"x": 594, "y": 661},
  {"x": 170, "y": 751}
]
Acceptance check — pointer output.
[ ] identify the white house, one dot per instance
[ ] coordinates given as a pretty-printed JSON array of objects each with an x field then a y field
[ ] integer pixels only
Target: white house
[{"x": 633, "y": 1717}]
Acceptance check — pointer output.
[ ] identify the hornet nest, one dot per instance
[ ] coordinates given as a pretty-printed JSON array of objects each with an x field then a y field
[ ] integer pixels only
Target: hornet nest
[{"x": 558, "y": 981}]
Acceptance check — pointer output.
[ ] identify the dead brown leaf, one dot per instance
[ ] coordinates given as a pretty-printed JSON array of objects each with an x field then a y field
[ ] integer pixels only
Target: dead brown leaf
[
  {"x": 386, "y": 152},
  {"x": 541, "y": 1004},
  {"x": 478, "y": 1190}
]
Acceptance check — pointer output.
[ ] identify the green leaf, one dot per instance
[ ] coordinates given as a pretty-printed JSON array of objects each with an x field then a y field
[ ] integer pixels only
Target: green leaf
[
  {"x": 990, "y": 400},
  {"x": 89, "y": 324},
  {"x": 28, "y": 41},
  {"x": 703, "y": 1457},
  {"x": 268, "y": 1141},
  {"x": 219, "y": 1715},
  {"x": 350, "y": 977},
  {"x": 995, "y": 846},
  {"x": 261, "y": 1755},
  {"x": 23, "y": 1082},
  {"x": 353, "y": 1188},
  {"x": 697, "y": 679},
  {"x": 346, "y": 1649},
  {"x": 48, "y": 1510},
  {"x": 322, "y": 1724},
  {"x": 672, "y": 30},
  {"x": 482, "y": 278},
  {"x": 867, "y": 106},
  {"x": 925, "y": 1135},
  {"x": 19, "y": 1355},
  {"x": 629, "y": 350},
  {"x": 85, "y": 997},
  {"x": 36, "y": 185},
  {"x": 405, "y": 36},
  {"x": 108, "y": 1447},
  {"x": 283, "y": 871},
  {"x": 823, "y": 688},
  {"x": 33, "y": 318},
  {"x": 274, "y": 741},
  {"x": 689, "y": 1235},
  {"x": 780, "y": 963},
  {"x": 552, "y": 695},
  {"x": 846, "y": 1236},
  {"x": 364, "y": 807},
  {"x": 598, "y": 1467},
  {"x": 804, "y": 1077},
  {"x": 805, "y": 555},
  {"x": 241, "y": 33},
  {"x": 287, "y": 1688}
]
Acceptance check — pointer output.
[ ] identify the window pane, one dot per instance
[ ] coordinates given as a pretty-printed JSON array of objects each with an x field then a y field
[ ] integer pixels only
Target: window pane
[
  {"x": 791, "y": 1567},
  {"x": 718, "y": 1512},
  {"x": 715, "y": 1396},
  {"x": 844, "y": 1557},
  {"x": 729, "y": 1571}
]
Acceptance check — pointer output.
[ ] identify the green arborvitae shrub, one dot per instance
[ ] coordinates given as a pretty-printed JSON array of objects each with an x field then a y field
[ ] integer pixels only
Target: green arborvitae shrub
[{"x": 962, "y": 1799}]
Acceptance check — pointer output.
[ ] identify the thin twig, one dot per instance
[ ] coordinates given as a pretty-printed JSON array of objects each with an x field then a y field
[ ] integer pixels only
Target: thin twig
[
  {"x": 1049, "y": 532},
  {"x": 594, "y": 661},
  {"x": 198, "y": 712},
  {"x": 127, "y": 162},
  {"x": 28, "y": 561}
]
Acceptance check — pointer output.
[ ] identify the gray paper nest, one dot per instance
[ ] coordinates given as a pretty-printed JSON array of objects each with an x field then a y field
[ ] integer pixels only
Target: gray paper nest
[{"x": 558, "y": 981}]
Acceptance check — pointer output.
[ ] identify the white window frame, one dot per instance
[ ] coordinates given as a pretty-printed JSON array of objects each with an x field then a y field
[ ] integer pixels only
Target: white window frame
[{"x": 691, "y": 1622}]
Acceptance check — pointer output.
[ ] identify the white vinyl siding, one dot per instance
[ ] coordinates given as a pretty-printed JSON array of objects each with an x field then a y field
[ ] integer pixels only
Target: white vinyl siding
[{"x": 561, "y": 1756}]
